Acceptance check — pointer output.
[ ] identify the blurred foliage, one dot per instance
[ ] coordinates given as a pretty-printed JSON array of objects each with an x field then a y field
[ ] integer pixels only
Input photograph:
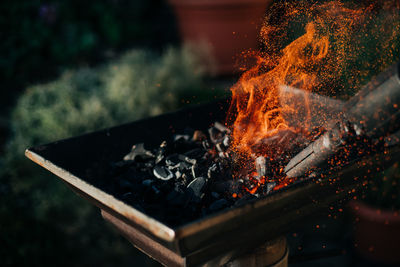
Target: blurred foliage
[
  {"x": 42, "y": 221},
  {"x": 40, "y": 38}
]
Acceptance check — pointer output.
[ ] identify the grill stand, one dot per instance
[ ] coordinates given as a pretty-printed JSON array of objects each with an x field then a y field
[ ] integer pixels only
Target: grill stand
[{"x": 273, "y": 253}]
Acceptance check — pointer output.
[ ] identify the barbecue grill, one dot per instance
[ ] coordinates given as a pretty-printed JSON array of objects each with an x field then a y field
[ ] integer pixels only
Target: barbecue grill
[{"x": 217, "y": 238}]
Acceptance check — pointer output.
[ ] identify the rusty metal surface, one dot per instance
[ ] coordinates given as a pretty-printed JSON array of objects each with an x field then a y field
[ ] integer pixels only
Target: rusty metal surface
[{"x": 81, "y": 161}]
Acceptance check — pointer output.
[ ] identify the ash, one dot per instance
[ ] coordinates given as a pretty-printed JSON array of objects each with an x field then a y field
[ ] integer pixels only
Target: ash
[{"x": 195, "y": 174}]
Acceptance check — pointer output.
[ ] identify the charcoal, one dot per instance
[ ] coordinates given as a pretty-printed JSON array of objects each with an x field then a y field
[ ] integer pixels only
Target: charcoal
[
  {"x": 184, "y": 179},
  {"x": 155, "y": 189},
  {"x": 215, "y": 195},
  {"x": 161, "y": 152},
  {"x": 138, "y": 151},
  {"x": 198, "y": 171},
  {"x": 180, "y": 137},
  {"x": 269, "y": 187},
  {"x": 125, "y": 185},
  {"x": 196, "y": 153},
  {"x": 127, "y": 196},
  {"x": 178, "y": 174},
  {"x": 147, "y": 182},
  {"x": 182, "y": 166},
  {"x": 226, "y": 142},
  {"x": 222, "y": 186},
  {"x": 165, "y": 187},
  {"x": 134, "y": 175},
  {"x": 162, "y": 173},
  {"x": 223, "y": 155},
  {"x": 216, "y": 136},
  {"x": 261, "y": 166},
  {"x": 220, "y": 147},
  {"x": 221, "y": 127},
  {"x": 218, "y": 205},
  {"x": 206, "y": 145},
  {"x": 172, "y": 160},
  {"x": 120, "y": 166},
  {"x": 187, "y": 159},
  {"x": 197, "y": 174},
  {"x": 177, "y": 198},
  {"x": 196, "y": 186},
  {"x": 149, "y": 164},
  {"x": 188, "y": 131},
  {"x": 199, "y": 136},
  {"x": 152, "y": 195},
  {"x": 212, "y": 171}
]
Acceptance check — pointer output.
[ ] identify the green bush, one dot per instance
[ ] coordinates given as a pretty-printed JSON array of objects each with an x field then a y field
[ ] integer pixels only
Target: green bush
[
  {"x": 40, "y": 36},
  {"x": 42, "y": 220}
]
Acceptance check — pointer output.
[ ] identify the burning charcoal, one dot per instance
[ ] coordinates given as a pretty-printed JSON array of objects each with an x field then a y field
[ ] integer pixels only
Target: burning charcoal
[
  {"x": 138, "y": 150},
  {"x": 162, "y": 173},
  {"x": 269, "y": 187},
  {"x": 187, "y": 159},
  {"x": 261, "y": 166},
  {"x": 218, "y": 205},
  {"x": 196, "y": 186},
  {"x": 199, "y": 136}
]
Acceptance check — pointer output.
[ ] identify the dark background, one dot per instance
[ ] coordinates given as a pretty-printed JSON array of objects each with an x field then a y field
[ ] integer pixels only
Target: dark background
[{"x": 52, "y": 55}]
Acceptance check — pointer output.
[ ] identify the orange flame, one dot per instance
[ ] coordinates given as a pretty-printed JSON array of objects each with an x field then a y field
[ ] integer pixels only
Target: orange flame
[{"x": 315, "y": 61}]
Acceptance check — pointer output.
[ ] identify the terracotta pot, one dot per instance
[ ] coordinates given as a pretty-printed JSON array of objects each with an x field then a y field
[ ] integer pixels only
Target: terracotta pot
[
  {"x": 229, "y": 27},
  {"x": 376, "y": 233}
]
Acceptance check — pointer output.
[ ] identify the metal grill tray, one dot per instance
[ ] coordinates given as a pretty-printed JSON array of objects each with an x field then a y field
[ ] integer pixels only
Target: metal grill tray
[{"x": 80, "y": 161}]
